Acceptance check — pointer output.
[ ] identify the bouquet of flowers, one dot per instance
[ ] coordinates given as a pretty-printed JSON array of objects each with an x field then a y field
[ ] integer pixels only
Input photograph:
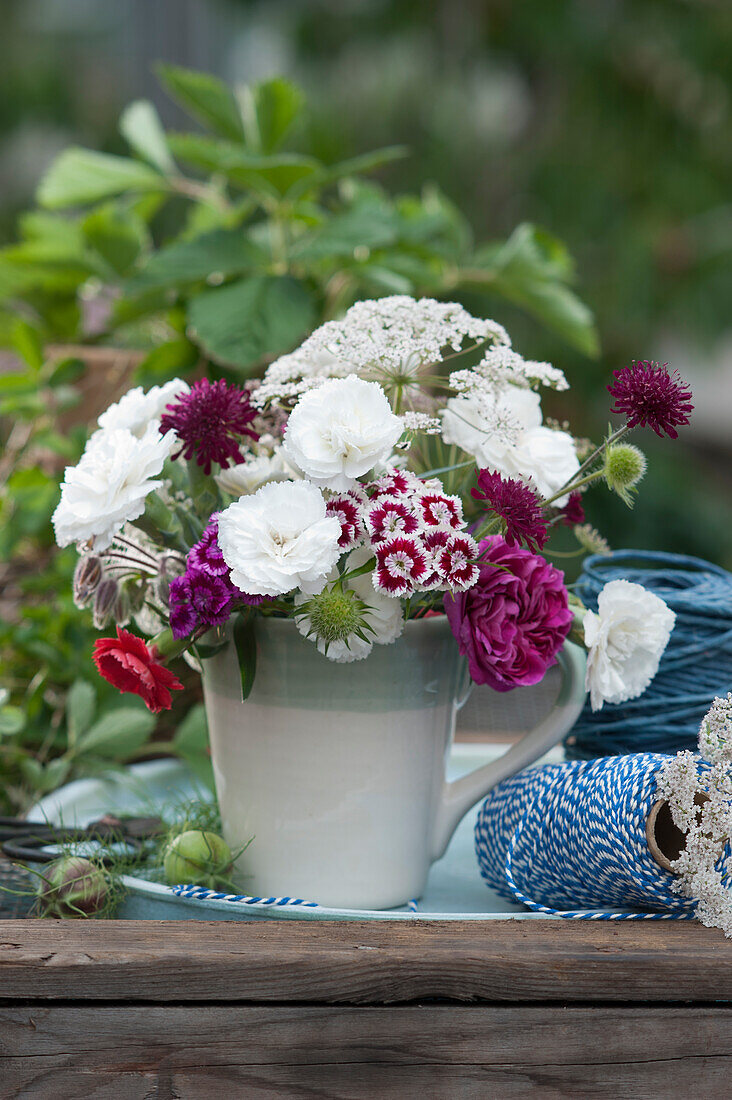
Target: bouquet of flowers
[{"x": 369, "y": 478}]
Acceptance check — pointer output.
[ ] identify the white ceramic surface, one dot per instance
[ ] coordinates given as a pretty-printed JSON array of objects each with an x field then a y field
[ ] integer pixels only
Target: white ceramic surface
[{"x": 339, "y": 771}]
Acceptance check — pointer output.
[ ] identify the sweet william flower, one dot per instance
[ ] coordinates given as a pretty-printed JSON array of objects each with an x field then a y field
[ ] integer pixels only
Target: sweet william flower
[
  {"x": 625, "y": 640},
  {"x": 136, "y": 409},
  {"x": 109, "y": 485},
  {"x": 339, "y": 431},
  {"x": 130, "y": 665},
  {"x": 279, "y": 539}
]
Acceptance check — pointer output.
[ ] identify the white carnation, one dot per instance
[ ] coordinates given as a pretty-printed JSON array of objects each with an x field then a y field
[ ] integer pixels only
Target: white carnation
[
  {"x": 504, "y": 433},
  {"x": 109, "y": 485},
  {"x": 625, "y": 641},
  {"x": 279, "y": 538},
  {"x": 259, "y": 470},
  {"x": 137, "y": 409},
  {"x": 338, "y": 432},
  {"x": 383, "y": 614}
]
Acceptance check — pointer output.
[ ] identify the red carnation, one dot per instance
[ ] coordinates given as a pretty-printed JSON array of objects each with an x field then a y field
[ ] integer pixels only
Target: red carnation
[{"x": 129, "y": 664}]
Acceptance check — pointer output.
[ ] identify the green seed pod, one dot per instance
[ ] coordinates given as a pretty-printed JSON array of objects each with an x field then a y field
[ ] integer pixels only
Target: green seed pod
[
  {"x": 625, "y": 465},
  {"x": 335, "y": 614},
  {"x": 197, "y": 857},
  {"x": 72, "y": 887}
]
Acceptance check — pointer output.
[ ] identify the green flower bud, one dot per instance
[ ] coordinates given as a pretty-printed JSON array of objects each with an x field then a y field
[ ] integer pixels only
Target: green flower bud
[
  {"x": 87, "y": 577},
  {"x": 199, "y": 858},
  {"x": 334, "y": 614},
  {"x": 590, "y": 539},
  {"x": 105, "y": 599},
  {"x": 625, "y": 465}
]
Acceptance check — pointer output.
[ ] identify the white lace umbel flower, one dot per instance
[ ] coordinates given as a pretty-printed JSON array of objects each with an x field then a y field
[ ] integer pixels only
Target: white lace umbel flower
[
  {"x": 136, "y": 409},
  {"x": 715, "y": 732},
  {"x": 382, "y": 617},
  {"x": 389, "y": 340},
  {"x": 259, "y": 470},
  {"x": 279, "y": 539},
  {"x": 502, "y": 365},
  {"x": 625, "y": 641},
  {"x": 699, "y": 795},
  {"x": 503, "y": 431},
  {"x": 421, "y": 422},
  {"x": 109, "y": 485},
  {"x": 337, "y": 433}
]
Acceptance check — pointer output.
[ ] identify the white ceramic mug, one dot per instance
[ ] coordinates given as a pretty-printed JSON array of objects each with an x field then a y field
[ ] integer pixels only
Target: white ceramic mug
[{"x": 337, "y": 771}]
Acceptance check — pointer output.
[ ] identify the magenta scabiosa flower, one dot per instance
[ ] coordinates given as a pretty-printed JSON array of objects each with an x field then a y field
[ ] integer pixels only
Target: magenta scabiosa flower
[
  {"x": 209, "y": 422},
  {"x": 573, "y": 512},
  {"x": 518, "y": 505},
  {"x": 648, "y": 394}
]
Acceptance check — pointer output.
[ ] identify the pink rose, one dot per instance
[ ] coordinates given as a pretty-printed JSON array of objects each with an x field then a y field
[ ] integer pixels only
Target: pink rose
[{"x": 513, "y": 621}]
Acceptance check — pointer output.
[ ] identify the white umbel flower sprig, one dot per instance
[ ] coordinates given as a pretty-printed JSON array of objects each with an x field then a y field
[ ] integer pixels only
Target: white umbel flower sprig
[{"x": 699, "y": 794}]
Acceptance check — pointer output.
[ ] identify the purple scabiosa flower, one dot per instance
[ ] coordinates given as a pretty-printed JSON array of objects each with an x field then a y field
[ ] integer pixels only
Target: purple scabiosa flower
[
  {"x": 518, "y": 505},
  {"x": 648, "y": 394},
  {"x": 209, "y": 421},
  {"x": 573, "y": 512}
]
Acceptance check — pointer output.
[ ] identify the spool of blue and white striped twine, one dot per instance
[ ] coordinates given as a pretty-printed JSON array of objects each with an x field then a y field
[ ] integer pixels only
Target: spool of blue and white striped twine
[{"x": 569, "y": 840}]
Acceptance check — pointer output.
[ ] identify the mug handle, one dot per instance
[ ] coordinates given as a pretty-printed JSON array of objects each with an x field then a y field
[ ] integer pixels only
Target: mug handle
[{"x": 459, "y": 796}]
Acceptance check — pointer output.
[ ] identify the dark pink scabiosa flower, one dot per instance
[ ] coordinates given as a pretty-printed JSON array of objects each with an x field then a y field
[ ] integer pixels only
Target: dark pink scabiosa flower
[
  {"x": 390, "y": 517},
  {"x": 518, "y": 505},
  {"x": 647, "y": 394},
  {"x": 401, "y": 563},
  {"x": 210, "y": 421},
  {"x": 440, "y": 510},
  {"x": 456, "y": 562},
  {"x": 348, "y": 510},
  {"x": 573, "y": 512}
]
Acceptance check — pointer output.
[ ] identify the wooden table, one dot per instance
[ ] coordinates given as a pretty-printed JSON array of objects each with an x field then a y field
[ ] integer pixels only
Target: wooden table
[{"x": 488, "y": 1010}]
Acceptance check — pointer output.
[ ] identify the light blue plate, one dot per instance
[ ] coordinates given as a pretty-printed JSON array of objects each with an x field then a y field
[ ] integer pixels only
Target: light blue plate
[{"x": 455, "y": 890}]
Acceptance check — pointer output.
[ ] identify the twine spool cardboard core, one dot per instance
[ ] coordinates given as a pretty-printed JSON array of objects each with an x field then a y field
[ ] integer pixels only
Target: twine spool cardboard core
[{"x": 665, "y": 840}]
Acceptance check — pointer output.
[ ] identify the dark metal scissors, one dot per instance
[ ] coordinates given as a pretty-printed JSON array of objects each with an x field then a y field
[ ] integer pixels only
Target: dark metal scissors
[{"x": 26, "y": 840}]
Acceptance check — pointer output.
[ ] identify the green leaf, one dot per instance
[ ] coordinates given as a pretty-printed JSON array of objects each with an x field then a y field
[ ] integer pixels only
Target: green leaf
[
  {"x": 243, "y": 322},
  {"x": 366, "y": 226},
  {"x": 27, "y": 342},
  {"x": 268, "y": 109},
  {"x": 165, "y": 362},
  {"x": 66, "y": 371},
  {"x": 12, "y": 720},
  {"x": 141, "y": 127},
  {"x": 532, "y": 269},
  {"x": 271, "y": 176},
  {"x": 117, "y": 235},
  {"x": 118, "y": 734},
  {"x": 205, "y": 97},
  {"x": 192, "y": 734},
  {"x": 81, "y": 703},
  {"x": 246, "y": 650},
  {"x": 212, "y": 255},
  {"x": 366, "y": 162},
  {"x": 79, "y": 176}
]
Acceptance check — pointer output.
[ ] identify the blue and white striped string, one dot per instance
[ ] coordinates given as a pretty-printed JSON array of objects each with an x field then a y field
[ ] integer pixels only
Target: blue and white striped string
[
  {"x": 569, "y": 840},
  {"x": 201, "y": 893},
  {"x": 696, "y": 666}
]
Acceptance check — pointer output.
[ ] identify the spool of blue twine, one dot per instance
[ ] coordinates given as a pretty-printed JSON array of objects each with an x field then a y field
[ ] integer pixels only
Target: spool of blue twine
[
  {"x": 569, "y": 840},
  {"x": 696, "y": 666}
]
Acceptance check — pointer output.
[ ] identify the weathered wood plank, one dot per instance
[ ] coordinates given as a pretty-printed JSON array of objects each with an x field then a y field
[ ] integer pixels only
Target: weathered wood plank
[
  {"x": 363, "y": 963},
  {"x": 432, "y": 1051}
]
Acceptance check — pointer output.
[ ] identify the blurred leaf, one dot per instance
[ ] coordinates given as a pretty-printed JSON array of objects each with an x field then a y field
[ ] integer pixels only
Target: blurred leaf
[
  {"x": 17, "y": 383},
  {"x": 273, "y": 176},
  {"x": 80, "y": 176},
  {"x": 66, "y": 371},
  {"x": 245, "y": 321},
  {"x": 12, "y": 721},
  {"x": 532, "y": 269},
  {"x": 141, "y": 127},
  {"x": 192, "y": 734},
  {"x": 165, "y": 362},
  {"x": 268, "y": 109},
  {"x": 246, "y": 650},
  {"x": 221, "y": 253},
  {"x": 117, "y": 235},
  {"x": 364, "y": 226},
  {"x": 81, "y": 703},
  {"x": 205, "y": 97},
  {"x": 118, "y": 734},
  {"x": 366, "y": 162}
]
